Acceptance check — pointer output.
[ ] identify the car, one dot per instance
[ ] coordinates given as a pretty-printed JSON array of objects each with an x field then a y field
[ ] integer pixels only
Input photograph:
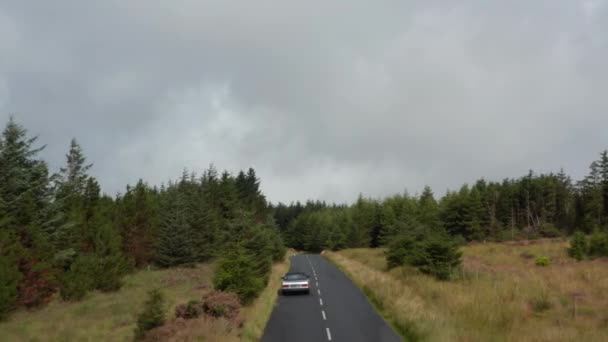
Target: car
[{"x": 295, "y": 282}]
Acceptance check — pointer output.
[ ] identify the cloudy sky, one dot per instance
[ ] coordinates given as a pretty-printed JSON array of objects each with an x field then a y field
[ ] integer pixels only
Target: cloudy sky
[{"x": 325, "y": 99}]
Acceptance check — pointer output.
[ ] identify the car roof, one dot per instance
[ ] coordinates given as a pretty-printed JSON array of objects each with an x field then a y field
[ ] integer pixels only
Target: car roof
[{"x": 294, "y": 273}]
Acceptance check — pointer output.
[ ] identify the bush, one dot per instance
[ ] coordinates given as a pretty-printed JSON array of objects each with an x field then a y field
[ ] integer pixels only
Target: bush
[
  {"x": 399, "y": 251},
  {"x": 221, "y": 304},
  {"x": 578, "y": 246},
  {"x": 440, "y": 258},
  {"x": 598, "y": 244},
  {"x": 432, "y": 253},
  {"x": 153, "y": 314},
  {"x": 259, "y": 247},
  {"x": 236, "y": 272},
  {"x": 277, "y": 248},
  {"x": 80, "y": 279},
  {"x": 10, "y": 276},
  {"x": 102, "y": 270},
  {"x": 542, "y": 261},
  {"x": 541, "y": 303},
  {"x": 549, "y": 230},
  {"x": 38, "y": 284},
  {"x": 111, "y": 265},
  {"x": 192, "y": 309}
]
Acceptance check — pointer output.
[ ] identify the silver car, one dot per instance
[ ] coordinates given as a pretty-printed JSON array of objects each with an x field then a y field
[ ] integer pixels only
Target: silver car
[{"x": 295, "y": 282}]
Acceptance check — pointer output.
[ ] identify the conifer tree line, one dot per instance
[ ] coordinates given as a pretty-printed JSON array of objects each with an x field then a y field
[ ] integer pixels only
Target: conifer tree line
[
  {"x": 532, "y": 206},
  {"x": 60, "y": 234}
]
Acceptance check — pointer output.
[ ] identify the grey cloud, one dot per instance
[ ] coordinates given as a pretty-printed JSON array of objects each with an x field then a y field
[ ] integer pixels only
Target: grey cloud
[{"x": 324, "y": 99}]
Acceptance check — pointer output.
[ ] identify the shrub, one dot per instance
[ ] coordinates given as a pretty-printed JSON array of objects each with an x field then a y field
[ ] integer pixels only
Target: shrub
[
  {"x": 110, "y": 272},
  {"x": 432, "y": 253},
  {"x": 153, "y": 314},
  {"x": 102, "y": 270},
  {"x": 110, "y": 263},
  {"x": 549, "y": 230},
  {"x": 221, "y": 304},
  {"x": 192, "y": 309},
  {"x": 542, "y": 261},
  {"x": 80, "y": 279},
  {"x": 236, "y": 272},
  {"x": 541, "y": 303},
  {"x": 278, "y": 249},
  {"x": 399, "y": 251},
  {"x": 598, "y": 244},
  {"x": 578, "y": 246},
  {"x": 64, "y": 259},
  {"x": 259, "y": 247},
  {"x": 10, "y": 276},
  {"x": 38, "y": 284},
  {"x": 441, "y": 257}
]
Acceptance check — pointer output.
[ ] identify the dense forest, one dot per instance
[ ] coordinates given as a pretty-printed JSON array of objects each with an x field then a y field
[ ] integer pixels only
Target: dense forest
[
  {"x": 60, "y": 234},
  {"x": 535, "y": 205}
]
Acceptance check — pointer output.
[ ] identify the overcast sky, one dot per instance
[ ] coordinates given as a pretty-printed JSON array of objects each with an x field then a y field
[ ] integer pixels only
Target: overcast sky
[{"x": 325, "y": 99}]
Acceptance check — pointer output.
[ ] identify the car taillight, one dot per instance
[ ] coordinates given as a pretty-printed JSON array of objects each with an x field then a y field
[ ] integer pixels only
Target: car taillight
[
  {"x": 285, "y": 286},
  {"x": 305, "y": 285}
]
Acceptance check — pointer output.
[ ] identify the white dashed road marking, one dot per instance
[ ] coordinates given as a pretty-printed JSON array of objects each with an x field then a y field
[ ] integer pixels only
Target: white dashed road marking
[{"x": 314, "y": 272}]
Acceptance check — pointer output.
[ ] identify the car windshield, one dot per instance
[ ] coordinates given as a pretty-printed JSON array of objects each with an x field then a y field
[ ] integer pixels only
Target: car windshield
[{"x": 297, "y": 276}]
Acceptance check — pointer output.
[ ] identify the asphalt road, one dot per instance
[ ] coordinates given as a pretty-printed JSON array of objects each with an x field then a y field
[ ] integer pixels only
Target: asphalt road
[{"x": 335, "y": 309}]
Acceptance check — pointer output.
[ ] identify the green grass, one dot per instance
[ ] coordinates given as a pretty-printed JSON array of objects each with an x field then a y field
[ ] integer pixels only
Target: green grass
[
  {"x": 499, "y": 295},
  {"x": 112, "y": 316},
  {"x": 105, "y": 316}
]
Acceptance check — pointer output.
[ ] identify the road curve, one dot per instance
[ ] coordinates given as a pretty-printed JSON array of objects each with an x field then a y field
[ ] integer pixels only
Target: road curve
[{"x": 335, "y": 309}]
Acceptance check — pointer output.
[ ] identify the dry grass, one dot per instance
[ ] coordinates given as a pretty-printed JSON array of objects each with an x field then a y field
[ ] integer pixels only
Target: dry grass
[
  {"x": 500, "y": 295},
  {"x": 112, "y": 316},
  {"x": 106, "y": 316}
]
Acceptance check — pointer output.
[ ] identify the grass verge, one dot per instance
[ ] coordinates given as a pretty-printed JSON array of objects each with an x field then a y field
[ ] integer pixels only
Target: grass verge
[
  {"x": 370, "y": 281},
  {"x": 112, "y": 316},
  {"x": 106, "y": 316},
  {"x": 257, "y": 315},
  {"x": 499, "y": 295}
]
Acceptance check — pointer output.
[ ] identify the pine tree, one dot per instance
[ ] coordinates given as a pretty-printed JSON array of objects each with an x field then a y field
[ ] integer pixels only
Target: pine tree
[
  {"x": 138, "y": 217},
  {"x": 24, "y": 191},
  {"x": 388, "y": 220},
  {"x": 590, "y": 188},
  {"x": 69, "y": 188},
  {"x": 72, "y": 178},
  {"x": 10, "y": 276},
  {"x": 152, "y": 315},
  {"x": 564, "y": 202},
  {"x": 111, "y": 263},
  {"x": 441, "y": 257},
  {"x": 236, "y": 272},
  {"x": 175, "y": 243},
  {"x": 428, "y": 210},
  {"x": 24, "y": 188},
  {"x": 475, "y": 213},
  {"x": 578, "y": 246},
  {"x": 603, "y": 170},
  {"x": 456, "y": 213}
]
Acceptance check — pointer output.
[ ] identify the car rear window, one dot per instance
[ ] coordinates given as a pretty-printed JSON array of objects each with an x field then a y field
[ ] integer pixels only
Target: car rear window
[{"x": 295, "y": 277}]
